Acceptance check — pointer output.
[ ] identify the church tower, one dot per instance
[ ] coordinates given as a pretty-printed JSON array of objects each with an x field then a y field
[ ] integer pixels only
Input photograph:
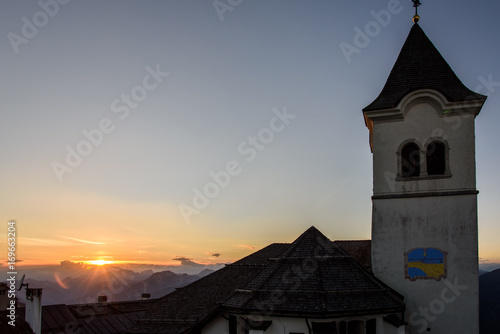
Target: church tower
[{"x": 424, "y": 218}]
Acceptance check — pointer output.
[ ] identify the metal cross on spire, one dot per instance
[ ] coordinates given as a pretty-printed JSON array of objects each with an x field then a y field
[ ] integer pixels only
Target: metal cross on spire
[{"x": 416, "y": 3}]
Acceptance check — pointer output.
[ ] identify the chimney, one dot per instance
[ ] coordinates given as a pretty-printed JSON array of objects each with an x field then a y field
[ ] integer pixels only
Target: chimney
[
  {"x": 145, "y": 296},
  {"x": 33, "y": 313},
  {"x": 102, "y": 299}
]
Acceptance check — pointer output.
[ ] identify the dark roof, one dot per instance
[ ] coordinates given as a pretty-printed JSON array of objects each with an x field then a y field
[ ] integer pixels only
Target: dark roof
[
  {"x": 193, "y": 305},
  {"x": 360, "y": 250},
  {"x": 421, "y": 66},
  {"x": 21, "y": 327},
  {"x": 56, "y": 317},
  {"x": 107, "y": 318},
  {"x": 110, "y": 324},
  {"x": 311, "y": 277},
  {"x": 314, "y": 278},
  {"x": 97, "y": 318}
]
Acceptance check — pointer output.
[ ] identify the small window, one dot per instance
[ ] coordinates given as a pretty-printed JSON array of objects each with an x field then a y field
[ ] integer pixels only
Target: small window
[
  {"x": 436, "y": 158},
  {"x": 410, "y": 160},
  {"x": 342, "y": 327},
  {"x": 257, "y": 326},
  {"x": 324, "y": 327},
  {"x": 233, "y": 325},
  {"x": 371, "y": 326},
  {"x": 355, "y": 327}
]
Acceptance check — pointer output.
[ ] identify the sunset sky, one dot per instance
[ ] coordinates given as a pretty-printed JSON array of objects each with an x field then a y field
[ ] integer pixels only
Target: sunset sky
[{"x": 159, "y": 97}]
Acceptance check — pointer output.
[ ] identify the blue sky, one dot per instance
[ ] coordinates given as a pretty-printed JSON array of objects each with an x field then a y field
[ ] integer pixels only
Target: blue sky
[{"x": 221, "y": 77}]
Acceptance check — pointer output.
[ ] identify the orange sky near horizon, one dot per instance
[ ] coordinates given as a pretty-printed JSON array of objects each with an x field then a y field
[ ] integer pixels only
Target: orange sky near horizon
[
  {"x": 118, "y": 231},
  {"x": 138, "y": 233}
]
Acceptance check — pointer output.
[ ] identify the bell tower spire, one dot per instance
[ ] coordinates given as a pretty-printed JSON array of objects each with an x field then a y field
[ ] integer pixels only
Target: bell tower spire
[{"x": 424, "y": 215}]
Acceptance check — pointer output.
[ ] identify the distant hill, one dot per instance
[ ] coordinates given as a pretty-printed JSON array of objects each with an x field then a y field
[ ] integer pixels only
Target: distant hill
[
  {"x": 83, "y": 286},
  {"x": 489, "y": 267},
  {"x": 205, "y": 272},
  {"x": 482, "y": 272},
  {"x": 489, "y": 302},
  {"x": 158, "y": 285}
]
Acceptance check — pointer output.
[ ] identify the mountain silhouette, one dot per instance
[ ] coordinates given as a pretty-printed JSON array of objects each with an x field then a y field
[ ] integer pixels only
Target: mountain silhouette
[
  {"x": 84, "y": 286},
  {"x": 489, "y": 302}
]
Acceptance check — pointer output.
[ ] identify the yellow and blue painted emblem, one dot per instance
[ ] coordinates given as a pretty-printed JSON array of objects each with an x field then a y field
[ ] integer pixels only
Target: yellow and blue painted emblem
[{"x": 425, "y": 263}]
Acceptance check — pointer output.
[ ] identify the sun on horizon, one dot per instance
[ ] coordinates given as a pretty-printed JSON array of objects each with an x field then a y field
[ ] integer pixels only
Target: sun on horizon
[{"x": 99, "y": 262}]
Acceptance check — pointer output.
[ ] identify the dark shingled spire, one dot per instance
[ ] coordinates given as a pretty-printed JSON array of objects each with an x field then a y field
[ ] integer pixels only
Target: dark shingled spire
[{"x": 421, "y": 66}]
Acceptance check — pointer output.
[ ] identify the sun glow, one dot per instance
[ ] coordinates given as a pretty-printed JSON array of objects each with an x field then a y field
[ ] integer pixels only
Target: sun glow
[{"x": 100, "y": 262}]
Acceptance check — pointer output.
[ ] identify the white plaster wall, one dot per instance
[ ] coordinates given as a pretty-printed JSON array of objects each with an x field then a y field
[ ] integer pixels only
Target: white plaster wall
[
  {"x": 445, "y": 222},
  {"x": 217, "y": 326},
  {"x": 422, "y": 122},
  {"x": 279, "y": 325},
  {"x": 448, "y": 223},
  {"x": 287, "y": 325},
  {"x": 283, "y": 325}
]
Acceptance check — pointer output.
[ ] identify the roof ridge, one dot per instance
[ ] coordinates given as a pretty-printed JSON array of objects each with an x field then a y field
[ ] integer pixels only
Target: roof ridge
[
  {"x": 335, "y": 292},
  {"x": 312, "y": 234}
]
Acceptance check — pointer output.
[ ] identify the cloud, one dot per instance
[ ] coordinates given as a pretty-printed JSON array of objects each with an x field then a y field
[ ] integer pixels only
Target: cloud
[
  {"x": 244, "y": 246},
  {"x": 71, "y": 265},
  {"x": 16, "y": 261},
  {"x": 213, "y": 254},
  {"x": 84, "y": 241},
  {"x": 44, "y": 242},
  {"x": 187, "y": 262}
]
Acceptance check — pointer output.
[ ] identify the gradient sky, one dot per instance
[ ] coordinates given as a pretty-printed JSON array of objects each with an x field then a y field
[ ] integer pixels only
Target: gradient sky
[{"x": 227, "y": 72}]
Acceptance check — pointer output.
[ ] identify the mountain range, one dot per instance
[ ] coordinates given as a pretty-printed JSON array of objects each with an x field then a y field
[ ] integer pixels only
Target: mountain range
[
  {"x": 489, "y": 302},
  {"x": 84, "y": 285},
  {"x": 73, "y": 283}
]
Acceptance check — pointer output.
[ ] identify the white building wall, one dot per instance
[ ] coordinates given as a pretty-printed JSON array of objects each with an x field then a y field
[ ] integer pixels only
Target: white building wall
[
  {"x": 449, "y": 223},
  {"x": 423, "y": 122},
  {"x": 219, "y": 325},
  {"x": 283, "y": 325},
  {"x": 402, "y": 222}
]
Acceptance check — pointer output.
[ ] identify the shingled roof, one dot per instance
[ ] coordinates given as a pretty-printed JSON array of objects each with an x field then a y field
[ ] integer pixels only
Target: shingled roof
[
  {"x": 311, "y": 277},
  {"x": 421, "y": 66},
  {"x": 97, "y": 318},
  {"x": 360, "y": 250},
  {"x": 315, "y": 278},
  {"x": 197, "y": 303}
]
